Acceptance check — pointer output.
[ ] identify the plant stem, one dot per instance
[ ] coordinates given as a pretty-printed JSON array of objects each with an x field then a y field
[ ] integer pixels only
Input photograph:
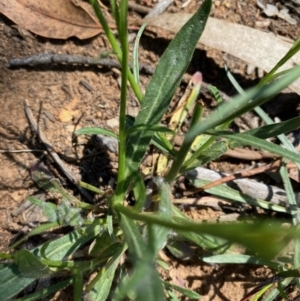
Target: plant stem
[
  {"x": 116, "y": 47},
  {"x": 122, "y": 130}
]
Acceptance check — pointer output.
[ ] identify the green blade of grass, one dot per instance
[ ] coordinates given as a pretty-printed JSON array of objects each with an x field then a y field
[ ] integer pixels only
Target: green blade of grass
[
  {"x": 275, "y": 129},
  {"x": 135, "y": 55},
  {"x": 185, "y": 291},
  {"x": 239, "y": 259},
  {"x": 244, "y": 139},
  {"x": 96, "y": 131}
]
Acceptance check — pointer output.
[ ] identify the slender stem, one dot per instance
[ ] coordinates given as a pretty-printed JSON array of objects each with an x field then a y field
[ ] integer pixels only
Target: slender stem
[
  {"x": 116, "y": 47},
  {"x": 123, "y": 33}
]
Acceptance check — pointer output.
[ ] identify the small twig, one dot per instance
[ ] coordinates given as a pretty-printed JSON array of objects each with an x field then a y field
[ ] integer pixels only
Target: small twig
[
  {"x": 242, "y": 174},
  {"x": 207, "y": 201},
  {"x": 20, "y": 150},
  {"x": 248, "y": 154},
  {"x": 254, "y": 189},
  {"x": 50, "y": 59},
  {"x": 52, "y": 152},
  {"x": 139, "y": 8}
]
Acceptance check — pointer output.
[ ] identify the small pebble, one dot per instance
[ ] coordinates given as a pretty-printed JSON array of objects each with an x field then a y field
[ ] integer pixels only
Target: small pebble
[{"x": 113, "y": 123}]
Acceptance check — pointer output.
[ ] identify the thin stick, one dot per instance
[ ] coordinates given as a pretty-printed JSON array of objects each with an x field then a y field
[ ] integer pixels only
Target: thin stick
[
  {"x": 50, "y": 59},
  {"x": 242, "y": 174},
  {"x": 52, "y": 152},
  {"x": 20, "y": 150},
  {"x": 206, "y": 201}
]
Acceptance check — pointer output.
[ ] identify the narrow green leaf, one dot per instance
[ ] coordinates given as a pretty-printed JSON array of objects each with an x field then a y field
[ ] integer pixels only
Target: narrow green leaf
[
  {"x": 260, "y": 293},
  {"x": 136, "y": 244},
  {"x": 38, "y": 230},
  {"x": 100, "y": 287},
  {"x": 164, "y": 82},
  {"x": 273, "y": 130},
  {"x": 91, "y": 187},
  {"x": 239, "y": 259},
  {"x": 139, "y": 190},
  {"x": 245, "y": 139},
  {"x": 158, "y": 234},
  {"x": 95, "y": 131},
  {"x": 215, "y": 151},
  {"x": 149, "y": 128},
  {"x": 135, "y": 54},
  {"x": 162, "y": 143},
  {"x": 185, "y": 291},
  {"x": 276, "y": 291}
]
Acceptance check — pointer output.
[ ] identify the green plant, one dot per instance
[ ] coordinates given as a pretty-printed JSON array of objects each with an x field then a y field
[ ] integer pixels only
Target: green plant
[{"x": 143, "y": 235}]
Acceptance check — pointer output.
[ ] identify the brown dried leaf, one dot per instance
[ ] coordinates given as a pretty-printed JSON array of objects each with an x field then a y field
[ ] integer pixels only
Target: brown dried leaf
[
  {"x": 56, "y": 19},
  {"x": 258, "y": 48}
]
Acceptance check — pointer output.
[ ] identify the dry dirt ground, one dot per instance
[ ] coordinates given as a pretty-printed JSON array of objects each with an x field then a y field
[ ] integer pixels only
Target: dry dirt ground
[{"x": 64, "y": 98}]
